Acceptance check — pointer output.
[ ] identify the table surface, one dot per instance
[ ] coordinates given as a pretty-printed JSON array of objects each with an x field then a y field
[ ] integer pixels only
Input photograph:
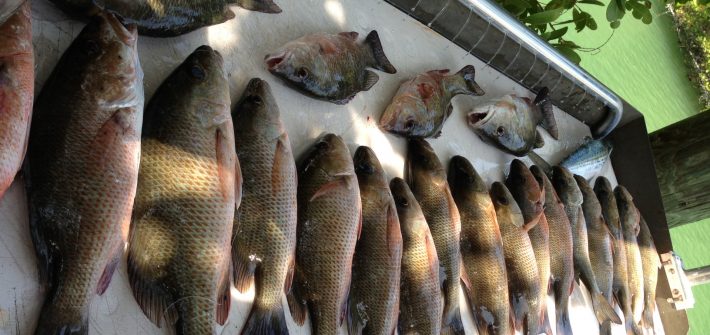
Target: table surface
[{"x": 410, "y": 46}]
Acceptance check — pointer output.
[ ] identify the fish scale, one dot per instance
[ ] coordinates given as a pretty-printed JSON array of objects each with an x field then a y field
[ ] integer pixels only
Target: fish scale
[
  {"x": 374, "y": 293},
  {"x": 561, "y": 250},
  {"x": 264, "y": 237},
  {"x": 630, "y": 225},
  {"x": 188, "y": 186},
  {"x": 427, "y": 179},
  {"x": 16, "y": 92},
  {"x": 420, "y": 305},
  {"x": 523, "y": 277},
  {"x": 83, "y": 166},
  {"x": 651, "y": 263},
  {"x": 329, "y": 210},
  {"x": 481, "y": 250}
]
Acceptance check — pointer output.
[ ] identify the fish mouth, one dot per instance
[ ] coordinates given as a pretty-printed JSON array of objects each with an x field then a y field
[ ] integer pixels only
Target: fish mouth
[
  {"x": 477, "y": 119},
  {"x": 273, "y": 61},
  {"x": 128, "y": 34}
]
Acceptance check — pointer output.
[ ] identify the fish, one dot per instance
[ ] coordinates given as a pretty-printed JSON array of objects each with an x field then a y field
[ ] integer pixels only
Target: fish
[
  {"x": 599, "y": 244},
  {"x": 521, "y": 265},
  {"x": 16, "y": 92},
  {"x": 9, "y": 8},
  {"x": 329, "y": 209},
  {"x": 561, "y": 250},
  {"x": 630, "y": 219},
  {"x": 374, "y": 292},
  {"x": 264, "y": 232},
  {"x": 610, "y": 211},
  {"x": 572, "y": 198},
  {"x": 484, "y": 276},
  {"x": 189, "y": 187},
  {"x": 530, "y": 197},
  {"x": 509, "y": 123},
  {"x": 166, "y": 18},
  {"x": 83, "y": 157},
  {"x": 330, "y": 67},
  {"x": 650, "y": 262},
  {"x": 422, "y": 104},
  {"x": 588, "y": 159},
  {"x": 427, "y": 179},
  {"x": 420, "y": 304}
]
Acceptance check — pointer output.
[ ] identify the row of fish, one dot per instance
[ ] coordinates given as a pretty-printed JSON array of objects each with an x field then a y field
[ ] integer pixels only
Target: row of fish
[{"x": 100, "y": 173}]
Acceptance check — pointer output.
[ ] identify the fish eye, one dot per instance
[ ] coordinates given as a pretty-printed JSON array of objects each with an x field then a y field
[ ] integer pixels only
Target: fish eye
[
  {"x": 197, "y": 72},
  {"x": 503, "y": 200},
  {"x": 255, "y": 99},
  {"x": 401, "y": 201},
  {"x": 500, "y": 130},
  {"x": 323, "y": 145},
  {"x": 409, "y": 124},
  {"x": 365, "y": 168},
  {"x": 92, "y": 47},
  {"x": 302, "y": 73}
]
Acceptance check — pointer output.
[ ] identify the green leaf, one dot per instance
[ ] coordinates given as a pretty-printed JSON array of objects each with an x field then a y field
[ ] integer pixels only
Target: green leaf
[
  {"x": 544, "y": 17},
  {"x": 569, "y": 53},
  {"x": 647, "y": 18},
  {"x": 592, "y": 24},
  {"x": 555, "y": 34},
  {"x": 615, "y": 24},
  {"x": 592, "y": 2},
  {"x": 614, "y": 12}
]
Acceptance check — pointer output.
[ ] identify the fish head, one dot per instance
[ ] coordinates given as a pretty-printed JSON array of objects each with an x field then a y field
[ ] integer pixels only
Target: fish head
[
  {"x": 503, "y": 200},
  {"x": 257, "y": 107},
  {"x": 566, "y": 186},
  {"x": 505, "y": 123},
  {"x": 627, "y": 210},
  {"x": 463, "y": 178},
  {"x": 105, "y": 38},
  {"x": 412, "y": 221},
  {"x": 367, "y": 167},
  {"x": 408, "y": 116},
  {"x": 203, "y": 75},
  {"x": 333, "y": 156},
  {"x": 605, "y": 194},
  {"x": 544, "y": 182},
  {"x": 301, "y": 63},
  {"x": 422, "y": 163},
  {"x": 525, "y": 190}
]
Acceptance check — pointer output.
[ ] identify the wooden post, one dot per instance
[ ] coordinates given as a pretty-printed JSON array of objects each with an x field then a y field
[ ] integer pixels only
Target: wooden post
[{"x": 682, "y": 156}]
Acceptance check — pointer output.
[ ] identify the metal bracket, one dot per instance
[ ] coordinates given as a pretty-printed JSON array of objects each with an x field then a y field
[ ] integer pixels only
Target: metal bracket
[{"x": 680, "y": 286}]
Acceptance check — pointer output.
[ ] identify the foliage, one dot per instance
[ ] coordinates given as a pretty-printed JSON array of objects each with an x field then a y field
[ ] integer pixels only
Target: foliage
[
  {"x": 547, "y": 18},
  {"x": 693, "y": 21}
]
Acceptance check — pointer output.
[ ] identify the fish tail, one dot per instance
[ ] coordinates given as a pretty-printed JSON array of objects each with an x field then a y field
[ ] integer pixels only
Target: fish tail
[
  {"x": 545, "y": 323},
  {"x": 632, "y": 328},
  {"x": 605, "y": 328},
  {"x": 380, "y": 59},
  {"x": 62, "y": 320},
  {"x": 648, "y": 316},
  {"x": 453, "y": 324},
  {"x": 264, "y": 6},
  {"x": 543, "y": 102},
  {"x": 603, "y": 309},
  {"x": 266, "y": 321},
  {"x": 564, "y": 327},
  {"x": 468, "y": 73}
]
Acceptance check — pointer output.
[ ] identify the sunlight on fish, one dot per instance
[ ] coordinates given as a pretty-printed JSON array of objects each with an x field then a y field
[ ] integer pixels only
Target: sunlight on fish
[{"x": 369, "y": 134}]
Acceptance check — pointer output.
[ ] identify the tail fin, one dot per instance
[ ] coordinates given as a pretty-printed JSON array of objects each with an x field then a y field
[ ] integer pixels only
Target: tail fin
[
  {"x": 648, "y": 317},
  {"x": 468, "y": 73},
  {"x": 546, "y": 328},
  {"x": 632, "y": 328},
  {"x": 381, "y": 61},
  {"x": 564, "y": 327},
  {"x": 605, "y": 328},
  {"x": 603, "y": 309},
  {"x": 263, "y": 321},
  {"x": 264, "y": 6},
  {"x": 454, "y": 326},
  {"x": 62, "y": 322},
  {"x": 548, "y": 116}
]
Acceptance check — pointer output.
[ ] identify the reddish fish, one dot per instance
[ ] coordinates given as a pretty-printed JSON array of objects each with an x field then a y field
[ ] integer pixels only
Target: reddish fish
[{"x": 16, "y": 92}]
